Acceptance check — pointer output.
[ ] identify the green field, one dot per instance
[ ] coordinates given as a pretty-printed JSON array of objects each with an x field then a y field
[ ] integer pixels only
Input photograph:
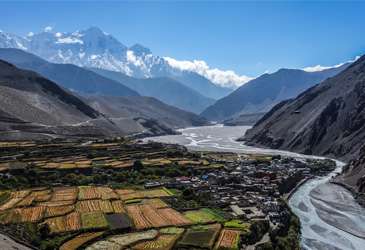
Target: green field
[
  {"x": 238, "y": 224},
  {"x": 93, "y": 220},
  {"x": 204, "y": 215}
]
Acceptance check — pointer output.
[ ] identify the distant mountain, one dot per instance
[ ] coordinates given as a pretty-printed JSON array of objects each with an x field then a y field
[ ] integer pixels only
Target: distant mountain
[
  {"x": 94, "y": 48},
  {"x": 140, "y": 107},
  {"x": 67, "y": 75},
  {"x": 165, "y": 89},
  {"x": 261, "y": 94},
  {"x": 327, "y": 119}
]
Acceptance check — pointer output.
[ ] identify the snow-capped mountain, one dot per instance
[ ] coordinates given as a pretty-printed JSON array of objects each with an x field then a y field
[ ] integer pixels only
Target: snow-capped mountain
[{"x": 97, "y": 49}]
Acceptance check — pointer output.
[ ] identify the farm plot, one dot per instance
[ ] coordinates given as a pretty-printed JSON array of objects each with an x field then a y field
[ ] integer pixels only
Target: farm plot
[
  {"x": 118, "y": 221},
  {"x": 228, "y": 240},
  {"x": 238, "y": 225},
  {"x": 86, "y": 206},
  {"x": 104, "y": 245},
  {"x": 15, "y": 198},
  {"x": 155, "y": 193},
  {"x": 159, "y": 162},
  {"x": 203, "y": 216},
  {"x": 93, "y": 220},
  {"x": 155, "y": 203},
  {"x": 10, "y": 203},
  {"x": 80, "y": 240},
  {"x": 41, "y": 195},
  {"x": 19, "y": 215},
  {"x": 163, "y": 242},
  {"x": 174, "y": 217},
  {"x": 118, "y": 206},
  {"x": 30, "y": 214},
  {"x": 152, "y": 193},
  {"x": 89, "y": 193},
  {"x": 58, "y": 211},
  {"x": 172, "y": 230},
  {"x": 56, "y": 203},
  {"x": 9, "y": 216},
  {"x": 125, "y": 240},
  {"x": 64, "y": 194},
  {"x": 25, "y": 202},
  {"x": 67, "y": 223},
  {"x": 145, "y": 216},
  {"x": 200, "y": 236},
  {"x": 119, "y": 164}
]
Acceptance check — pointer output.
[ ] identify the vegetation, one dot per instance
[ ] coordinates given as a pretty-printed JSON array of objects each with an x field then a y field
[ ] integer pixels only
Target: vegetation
[
  {"x": 288, "y": 236},
  {"x": 204, "y": 215},
  {"x": 238, "y": 224}
]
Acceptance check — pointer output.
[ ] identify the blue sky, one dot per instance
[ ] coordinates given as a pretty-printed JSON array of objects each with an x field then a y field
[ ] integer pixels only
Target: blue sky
[{"x": 249, "y": 38}]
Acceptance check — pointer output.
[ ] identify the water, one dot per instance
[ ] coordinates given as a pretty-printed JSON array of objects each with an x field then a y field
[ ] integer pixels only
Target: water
[{"x": 330, "y": 217}]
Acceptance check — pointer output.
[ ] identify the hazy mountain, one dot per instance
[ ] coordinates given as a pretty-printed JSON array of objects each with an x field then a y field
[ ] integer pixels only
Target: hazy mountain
[
  {"x": 136, "y": 107},
  {"x": 327, "y": 119},
  {"x": 261, "y": 94},
  {"x": 165, "y": 89},
  {"x": 67, "y": 75},
  {"x": 95, "y": 48}
]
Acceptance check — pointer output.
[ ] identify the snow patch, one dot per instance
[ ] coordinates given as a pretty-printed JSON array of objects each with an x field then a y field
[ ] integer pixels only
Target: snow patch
[
  {"x": 69, "y": 40},
  {"x": 48, "y": 29}
]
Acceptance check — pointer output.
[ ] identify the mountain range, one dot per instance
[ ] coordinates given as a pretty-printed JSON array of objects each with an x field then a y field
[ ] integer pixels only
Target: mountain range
[
  {"x": 33, "y": 107},
  {"x": 110, "y": 83},
  {"x": 96, "y": 49},
  {"x": 259, "y": 95}
]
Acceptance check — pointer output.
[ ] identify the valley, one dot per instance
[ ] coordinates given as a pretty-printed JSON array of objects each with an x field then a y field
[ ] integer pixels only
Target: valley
[{"x": 195, "y": 125}]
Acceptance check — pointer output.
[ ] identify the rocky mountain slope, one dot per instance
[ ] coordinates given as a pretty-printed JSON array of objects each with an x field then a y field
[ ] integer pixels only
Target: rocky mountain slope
[
  {"x": 353, "y": 176},
  {"x": 261, "y": 94},
  {"x": 94, "y": 48},
  {"x": 66, "y": 75},
  {"x": 327, "y": 119},
  {"x": 165, "y": 89},
  {"x": 32, "y": 106}
]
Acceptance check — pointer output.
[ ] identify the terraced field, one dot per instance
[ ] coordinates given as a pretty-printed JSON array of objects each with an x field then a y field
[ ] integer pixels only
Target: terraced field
[{"x": 98, "y": 217}]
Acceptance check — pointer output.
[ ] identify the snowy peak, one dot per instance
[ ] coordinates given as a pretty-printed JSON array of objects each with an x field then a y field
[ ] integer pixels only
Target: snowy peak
[
  {"x": 12, "y": 41},
  {"x": 139, "y": 50}
]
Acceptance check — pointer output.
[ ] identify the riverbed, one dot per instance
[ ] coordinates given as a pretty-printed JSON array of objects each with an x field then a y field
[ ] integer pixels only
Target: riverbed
[{"x": 330, "y": 217}]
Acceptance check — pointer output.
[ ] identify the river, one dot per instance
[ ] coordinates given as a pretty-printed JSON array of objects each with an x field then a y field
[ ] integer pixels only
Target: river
[{"x": 330, "y": 217}]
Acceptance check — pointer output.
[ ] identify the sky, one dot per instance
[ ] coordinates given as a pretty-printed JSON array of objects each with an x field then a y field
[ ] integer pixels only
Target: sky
[{"x": 249, "y": 38}]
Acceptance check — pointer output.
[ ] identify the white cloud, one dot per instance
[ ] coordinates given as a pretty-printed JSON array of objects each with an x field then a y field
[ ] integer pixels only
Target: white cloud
[
  {"x": 48, "y": 29},
  {"x": 317, "y": 68},
  {"x": 30, "y": 34},
  {"x": 58, "y": 34},
  {"x": 225, "y": 78}
]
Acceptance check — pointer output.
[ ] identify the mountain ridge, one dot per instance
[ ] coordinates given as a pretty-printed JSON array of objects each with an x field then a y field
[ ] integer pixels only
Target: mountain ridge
[{"x": 261, "y": 94}]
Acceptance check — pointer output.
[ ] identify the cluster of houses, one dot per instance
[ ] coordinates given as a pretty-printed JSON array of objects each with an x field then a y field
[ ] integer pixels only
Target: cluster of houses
[{"x": 247, "y": 189}]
